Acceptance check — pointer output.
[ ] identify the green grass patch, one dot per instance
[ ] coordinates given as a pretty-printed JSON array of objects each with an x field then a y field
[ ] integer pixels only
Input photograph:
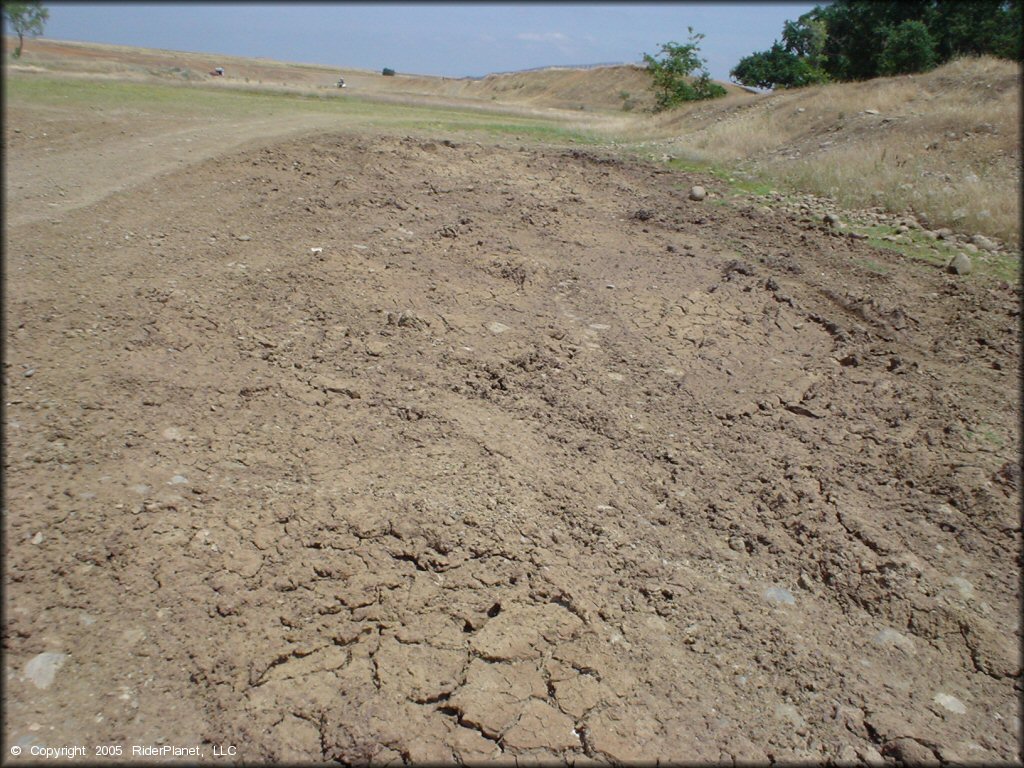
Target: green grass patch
[
  {"x": 874, "y": 266},
  {"x": 1005, "y": 267},
  {"x": 185, "y": 100},
  {"x": 527, "y": 129},
  {"x": 917, "y": 246},
  {"x": 160, "y": 98},
  {"x": 741, "y": 182},
  {"x": 986, "y": 438}
]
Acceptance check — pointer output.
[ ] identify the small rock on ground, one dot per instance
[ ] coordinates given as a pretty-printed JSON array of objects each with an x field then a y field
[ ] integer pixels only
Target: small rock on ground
[
  {"x": 984, "y": 243},
  {"x": 950, "y": 703},
  {"x": 909, "y": 752},
  {"x": 963, "y": 586},
  {"x": 43, "y": 668},
  {"x": 697, "y": 192},
  {"x": 779, "y": 595},
  {"x": 890, "y": 638},
  {"x": 960, "y": 265}
]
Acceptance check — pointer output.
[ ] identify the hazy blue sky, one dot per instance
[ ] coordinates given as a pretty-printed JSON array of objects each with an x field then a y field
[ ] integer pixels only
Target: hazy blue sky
[{"x": 426, "y": 38}]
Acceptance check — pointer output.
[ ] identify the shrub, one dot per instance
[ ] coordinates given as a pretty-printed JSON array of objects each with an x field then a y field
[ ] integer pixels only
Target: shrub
[
  {"x": 672, "y": 72},
  {"x": 388, "y": 72},
  {"x": 908, "y": 48}
]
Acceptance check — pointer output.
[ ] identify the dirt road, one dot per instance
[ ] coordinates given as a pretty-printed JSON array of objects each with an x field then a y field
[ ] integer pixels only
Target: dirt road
[
  {"x": 55, "y": 166},
  {"x": 360, "y": 448}
]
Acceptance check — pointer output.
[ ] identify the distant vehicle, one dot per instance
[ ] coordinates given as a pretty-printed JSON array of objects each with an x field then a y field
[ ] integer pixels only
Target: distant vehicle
[
  {"x": 218, "y": 72},
  {"x": 341, "y": 82}
]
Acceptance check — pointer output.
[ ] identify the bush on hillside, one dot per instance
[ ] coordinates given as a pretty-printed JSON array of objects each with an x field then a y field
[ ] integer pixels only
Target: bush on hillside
[
  {"x": 672, "y": 73},
  {"x": 388, "y": 72}
]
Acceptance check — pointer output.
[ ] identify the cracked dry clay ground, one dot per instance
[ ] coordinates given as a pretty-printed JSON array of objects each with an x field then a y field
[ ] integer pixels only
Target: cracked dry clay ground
[{"x": 407, "y": 450}]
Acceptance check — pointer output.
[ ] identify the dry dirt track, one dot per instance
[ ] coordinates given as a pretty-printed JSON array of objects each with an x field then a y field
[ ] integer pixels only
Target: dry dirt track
[
  {"x": 83, "y": 161},
  {"x": 359, "y": 448}
]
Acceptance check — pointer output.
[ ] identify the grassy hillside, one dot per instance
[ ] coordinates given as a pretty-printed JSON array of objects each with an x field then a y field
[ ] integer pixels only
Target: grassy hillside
[
  {"x": 624, "y": 88},
  {"x": 608, "y": 88},
  {"x": 944, "y": 145}
]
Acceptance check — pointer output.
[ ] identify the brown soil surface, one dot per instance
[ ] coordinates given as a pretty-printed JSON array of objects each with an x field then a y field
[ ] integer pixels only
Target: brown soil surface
[{"x": 350, "y": 447}]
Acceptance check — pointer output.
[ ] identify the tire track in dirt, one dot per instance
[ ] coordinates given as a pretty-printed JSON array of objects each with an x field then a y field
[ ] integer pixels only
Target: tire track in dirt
[
  {"x": 421, "y": 450},
  {"x": 78, "y": 170}
]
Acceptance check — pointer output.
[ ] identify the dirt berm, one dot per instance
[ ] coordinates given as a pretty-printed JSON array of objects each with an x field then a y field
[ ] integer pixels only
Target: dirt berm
[{"x": 348, "y": 447}]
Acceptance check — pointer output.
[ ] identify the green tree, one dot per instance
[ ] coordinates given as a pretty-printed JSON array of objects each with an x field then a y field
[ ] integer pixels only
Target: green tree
[
  {"x": 1008, "y": 42},
  {"x": 806, "y": 38},
  {"x": 908, "y": 48},
  {"x": 858, "y": 32},
  {"x": 861, "y": 39},
  {"x": 776, "y": 68},
  {"x": 672, "y": 72},
  {"x": 25, "y": 19},
  {"x": 973, "y": 27},
  {"x": 795, "y": 62}
]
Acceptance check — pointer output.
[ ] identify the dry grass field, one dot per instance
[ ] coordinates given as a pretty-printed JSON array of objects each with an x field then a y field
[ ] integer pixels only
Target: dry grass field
[{"x": 945, "y": 144}]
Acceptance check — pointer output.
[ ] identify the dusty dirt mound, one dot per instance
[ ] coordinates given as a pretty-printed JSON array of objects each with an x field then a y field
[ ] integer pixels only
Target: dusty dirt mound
[{"x": 411, "y": 450}]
